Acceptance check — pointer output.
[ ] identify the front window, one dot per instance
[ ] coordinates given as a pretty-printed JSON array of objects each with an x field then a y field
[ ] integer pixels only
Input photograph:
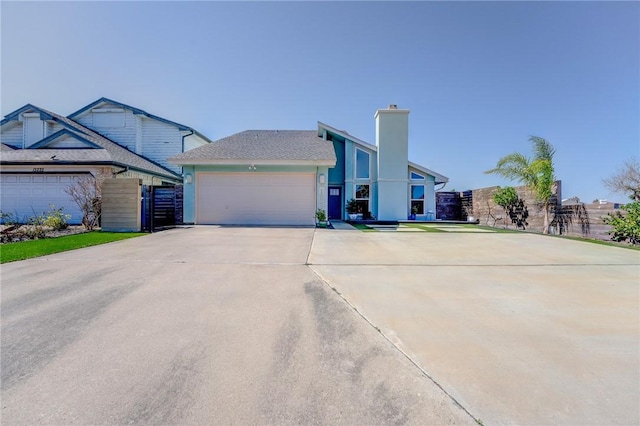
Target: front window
[
  {"x": 362, "y": 198},
  {"x": 362, "y": 164},
  {"x": 417, "y": 199}
]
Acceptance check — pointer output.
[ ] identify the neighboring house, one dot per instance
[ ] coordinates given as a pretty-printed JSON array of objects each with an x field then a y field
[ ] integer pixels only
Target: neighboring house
[
  {"x": 280, "y": 177},
  {"x": 43, "y": 152}
]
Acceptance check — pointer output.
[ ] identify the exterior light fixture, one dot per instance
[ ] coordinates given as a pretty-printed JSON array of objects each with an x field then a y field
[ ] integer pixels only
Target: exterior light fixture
[
  {"x": 252, "y": 167},
  {"x": 321, "y": 178},
  {"x": 188, "y": 178}
]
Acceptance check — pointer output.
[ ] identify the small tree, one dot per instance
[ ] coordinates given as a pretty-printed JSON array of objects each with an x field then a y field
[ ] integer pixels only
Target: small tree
[
  {"x": 627, "y": 226},
  {"x": 627, "y": 180},
  {"x": 513, "y": 206},
  {"x": 537, "y": 173},
  {"x": 86, "y": 192}
]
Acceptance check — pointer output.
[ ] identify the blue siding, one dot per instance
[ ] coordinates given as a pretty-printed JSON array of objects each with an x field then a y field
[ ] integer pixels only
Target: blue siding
[{"x": 336, "y": 174}]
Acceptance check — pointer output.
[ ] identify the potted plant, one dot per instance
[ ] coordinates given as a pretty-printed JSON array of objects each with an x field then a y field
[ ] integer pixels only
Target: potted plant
[
  {"x": 321, "y": 216},
  {"x": 352, "y": 209},
  {"x": 414, "y": 212}
]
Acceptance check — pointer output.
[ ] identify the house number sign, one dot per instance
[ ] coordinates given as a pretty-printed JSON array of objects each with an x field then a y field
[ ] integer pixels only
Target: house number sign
[{"x": 38, "y": 170}]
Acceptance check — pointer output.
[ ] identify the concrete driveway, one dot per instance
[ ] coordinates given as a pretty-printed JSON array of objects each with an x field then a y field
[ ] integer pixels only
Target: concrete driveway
[
  {"x": 518, "y": 328},
  {"x": 238, "y": 326},
  {"x": 199, "y": 326}
]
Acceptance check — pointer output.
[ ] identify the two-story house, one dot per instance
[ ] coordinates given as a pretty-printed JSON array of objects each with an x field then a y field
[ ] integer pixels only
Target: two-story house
[{"x": 42, "y": 152}]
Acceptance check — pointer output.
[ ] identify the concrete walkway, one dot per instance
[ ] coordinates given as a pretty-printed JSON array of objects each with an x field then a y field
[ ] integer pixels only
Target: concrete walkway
[{"x": 518, "y": 328}]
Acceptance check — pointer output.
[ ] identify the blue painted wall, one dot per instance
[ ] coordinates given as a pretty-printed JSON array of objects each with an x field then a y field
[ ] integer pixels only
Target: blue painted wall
[{"x": 336, "y": 174}]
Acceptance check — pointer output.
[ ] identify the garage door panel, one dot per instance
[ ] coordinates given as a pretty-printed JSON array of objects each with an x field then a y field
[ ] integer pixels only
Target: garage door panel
[
  {"x": 256, "y": 198},
  {"x": 26, "y": 195}
]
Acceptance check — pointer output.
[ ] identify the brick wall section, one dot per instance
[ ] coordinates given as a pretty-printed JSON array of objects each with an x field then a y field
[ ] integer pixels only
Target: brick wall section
[{"x": 121, "y": 211}]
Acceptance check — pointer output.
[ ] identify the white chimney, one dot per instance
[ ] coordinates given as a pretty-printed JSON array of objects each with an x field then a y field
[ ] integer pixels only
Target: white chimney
[{"x": 392, "y": 140}]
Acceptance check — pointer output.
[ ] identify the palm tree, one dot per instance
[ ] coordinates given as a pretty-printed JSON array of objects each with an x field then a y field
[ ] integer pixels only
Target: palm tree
[{"x": 537, "y": 173}]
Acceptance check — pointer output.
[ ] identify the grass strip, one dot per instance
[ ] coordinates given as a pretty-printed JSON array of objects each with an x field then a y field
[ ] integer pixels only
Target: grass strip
[
  {"x": 11, "y": 252},
  {"x": 362, "y": 227}
]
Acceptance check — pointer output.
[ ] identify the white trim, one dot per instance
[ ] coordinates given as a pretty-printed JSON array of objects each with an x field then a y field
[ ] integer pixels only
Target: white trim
[
  {"x": 240, "y": 162},
  {"x": 107, "y": 110},
  {"x": 391, "y": 111}
]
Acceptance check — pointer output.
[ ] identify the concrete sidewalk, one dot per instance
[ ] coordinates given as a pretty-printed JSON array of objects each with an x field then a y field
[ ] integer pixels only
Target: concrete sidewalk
[{"x": 518, "y": 328}]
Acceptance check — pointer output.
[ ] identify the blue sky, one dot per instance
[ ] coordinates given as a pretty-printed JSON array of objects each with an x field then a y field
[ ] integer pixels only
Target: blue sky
[{"x": 478, "y": 77}]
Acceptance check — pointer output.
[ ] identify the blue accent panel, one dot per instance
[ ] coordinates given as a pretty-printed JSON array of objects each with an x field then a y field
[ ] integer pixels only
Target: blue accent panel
[
  {"x": 64, "y": 132},
  {"x": 336, "y": 174},
  {"x": 349, "y": 160}
]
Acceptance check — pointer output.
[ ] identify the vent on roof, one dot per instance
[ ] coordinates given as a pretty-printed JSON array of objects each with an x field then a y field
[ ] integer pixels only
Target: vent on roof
[{"x": 393, "y": 106}]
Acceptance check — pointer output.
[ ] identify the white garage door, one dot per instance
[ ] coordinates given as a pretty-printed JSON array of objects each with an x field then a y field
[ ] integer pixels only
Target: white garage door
[
  {"x": 23, "y": 194},
  {"x": 256, "y": 198}
]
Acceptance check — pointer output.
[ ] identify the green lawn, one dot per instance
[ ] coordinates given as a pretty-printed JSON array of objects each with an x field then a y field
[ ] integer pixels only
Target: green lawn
[{"x": 11, "y": 252}]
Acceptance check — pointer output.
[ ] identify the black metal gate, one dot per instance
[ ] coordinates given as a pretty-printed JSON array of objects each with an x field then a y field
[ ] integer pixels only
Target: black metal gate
[{"x": 159, "y": 207}]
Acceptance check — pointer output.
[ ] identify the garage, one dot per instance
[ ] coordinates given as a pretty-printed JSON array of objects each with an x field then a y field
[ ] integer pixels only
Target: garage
[
  {"x": 26, "y": 195},
  {"x": 256, "y": 198}
]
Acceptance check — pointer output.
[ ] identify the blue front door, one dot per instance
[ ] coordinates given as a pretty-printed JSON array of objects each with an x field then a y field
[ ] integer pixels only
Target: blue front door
[{"x": 335, "y": 203}]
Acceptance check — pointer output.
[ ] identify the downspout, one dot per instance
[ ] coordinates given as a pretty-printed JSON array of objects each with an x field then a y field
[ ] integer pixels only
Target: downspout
[{"x": 184, "y": 136}]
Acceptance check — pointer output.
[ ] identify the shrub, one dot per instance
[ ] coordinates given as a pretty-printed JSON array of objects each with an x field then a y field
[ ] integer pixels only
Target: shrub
[
  {"x": 513, "y": 206},
  {"x": 55, "y": 219},
  {"x": 627, "y": 226}
]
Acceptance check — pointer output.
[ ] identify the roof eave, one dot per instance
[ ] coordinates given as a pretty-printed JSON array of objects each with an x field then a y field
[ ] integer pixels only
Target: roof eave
[
  {"x": 244, "y": 162},
  {"x": 438, "y": 177}
]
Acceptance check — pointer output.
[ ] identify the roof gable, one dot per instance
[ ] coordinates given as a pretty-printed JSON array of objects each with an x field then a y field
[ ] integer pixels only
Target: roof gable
[
  {"x": 15, "y": 115},
  {"x": 51, "y": 140},
  {"x": 134, "y": 110}
]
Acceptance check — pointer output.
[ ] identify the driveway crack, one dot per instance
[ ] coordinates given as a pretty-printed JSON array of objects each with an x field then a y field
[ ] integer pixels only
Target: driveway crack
[{"x": 393, "y": 344}]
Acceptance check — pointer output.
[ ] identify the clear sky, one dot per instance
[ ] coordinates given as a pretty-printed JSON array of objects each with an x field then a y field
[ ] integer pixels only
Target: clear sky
[{"x": 478, "y": 77}]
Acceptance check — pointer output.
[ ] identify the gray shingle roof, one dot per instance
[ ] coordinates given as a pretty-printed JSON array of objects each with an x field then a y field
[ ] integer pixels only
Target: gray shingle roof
[
  {"x": 56, "y": 155},
  {"x": 263, "y": 145}
]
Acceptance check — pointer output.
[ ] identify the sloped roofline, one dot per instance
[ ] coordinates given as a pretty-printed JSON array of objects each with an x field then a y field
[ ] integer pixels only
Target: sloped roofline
[
  {"x": 345, "y": 135},
  {"x": 439, "y": 178},
  {"x": 136, "y": 111},
  {"x": 13, "y": 116}
]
